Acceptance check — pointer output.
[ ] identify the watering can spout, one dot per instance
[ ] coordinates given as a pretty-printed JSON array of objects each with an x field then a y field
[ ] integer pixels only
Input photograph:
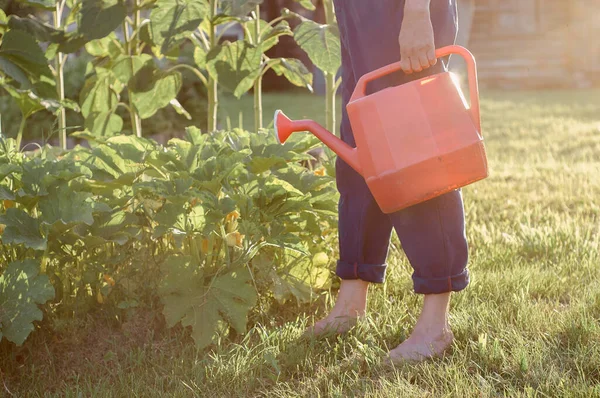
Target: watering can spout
[{"x": 284, "y": 127}]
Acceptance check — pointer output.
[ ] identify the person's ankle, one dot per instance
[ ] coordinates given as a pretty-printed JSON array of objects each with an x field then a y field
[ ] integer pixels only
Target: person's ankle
[{"x": 352, "y": 298}]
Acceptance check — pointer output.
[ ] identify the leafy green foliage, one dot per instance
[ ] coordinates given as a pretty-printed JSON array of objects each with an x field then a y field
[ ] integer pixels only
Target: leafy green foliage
[
  {"x": 207, "y": 223},
  {"x": 187, "y": 298},
  {"x": 183, "y": 223},
  {"x": 236, "y": 65},
  {"x": 295, "y": 72},
  {"x": 28, "y": 102},
  {"x": 36, "y": 28},
  {"x": 172, "y": 20},
  {"x": 21, "y": 290},
  {"x": 22, "y": 59},
  {"x": 99, "y": 18},
  {"x": 21, "y": 228},
  {"x": 98, "y": 95},
  {"x": 321, "y": 43},
  {"x": 155, "y": 92}
]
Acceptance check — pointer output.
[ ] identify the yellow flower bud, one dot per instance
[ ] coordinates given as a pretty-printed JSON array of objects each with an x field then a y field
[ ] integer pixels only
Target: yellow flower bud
[
  {"x": 234, "y": 215},
  {"x": 320, "y": 171},
  {"x": 108, "y": 279},
  {"x": 234, "y": 239},
  {"x": 205, "y": 246}
]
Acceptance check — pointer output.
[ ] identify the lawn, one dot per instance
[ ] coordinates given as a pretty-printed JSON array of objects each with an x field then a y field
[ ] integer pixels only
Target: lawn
[{"x": 528, "y": 325}]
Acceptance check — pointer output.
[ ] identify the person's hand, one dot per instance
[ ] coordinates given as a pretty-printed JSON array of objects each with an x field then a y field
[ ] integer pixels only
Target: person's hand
[{"x": 417, "y": 47}]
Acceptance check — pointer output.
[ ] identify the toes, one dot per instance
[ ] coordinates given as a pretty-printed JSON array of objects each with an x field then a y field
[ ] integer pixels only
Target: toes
[{"x": 330, "y": 326}]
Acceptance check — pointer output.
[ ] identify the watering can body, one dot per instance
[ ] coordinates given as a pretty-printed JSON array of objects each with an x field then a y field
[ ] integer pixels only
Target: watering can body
[{"x": 415, "y": 141}]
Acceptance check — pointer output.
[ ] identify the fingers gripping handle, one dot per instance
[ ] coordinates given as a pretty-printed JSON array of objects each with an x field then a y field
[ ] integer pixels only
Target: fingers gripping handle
[{"x": 361, "y": 85}]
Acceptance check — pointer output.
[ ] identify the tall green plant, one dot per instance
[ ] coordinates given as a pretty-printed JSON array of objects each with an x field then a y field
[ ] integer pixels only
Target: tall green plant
[
  {"x": 26, "y": 74},
  {"x": 240, "y": 66},
  {"x": 59, "y": 70},
  {"x": 58, "y": 42},
  {"x": 266, "y": 35},
  {"x": 322, "y": 45},
  {"x": 121, "y": 65}
]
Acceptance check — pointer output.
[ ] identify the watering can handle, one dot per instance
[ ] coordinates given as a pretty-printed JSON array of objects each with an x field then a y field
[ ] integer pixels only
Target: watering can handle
[{"x": 360, "y": 90}]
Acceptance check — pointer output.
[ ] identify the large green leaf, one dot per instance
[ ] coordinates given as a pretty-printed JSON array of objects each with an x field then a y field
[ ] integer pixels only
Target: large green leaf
[
  {"x": 127, "y": 66},
  {"x": 104, "y": 124},
  {"x": 22, "y": 228},
  {"x": 106, "y": 159},
  {"x": 101, "y": 17},
  {"x": 66, "y": 206},
  {"x": 32, "y": 179},
  {"x": 21, "y": 56},
  {"x": 73, "y": 42},
  {"x": 200, "y": 57},
  {"x": 14, "y": 71},
  {"x": 269, "y": 35},
  {"x": 29, "y": 103},
  {"x": 21, "y": 290},
  {"x": 155, "y": 93},
  {"x": 235, "y": 66},
  {"x": 172, "y": 20},
  {"x": 174, "y": 217},
  {"x": 108, "y": 46},
  {"x": 22, "y": 45},
  {"x": 294, "y": 71},
  {"x": 132, "y": 148},
  {"x": 38, "y": 29},
  {"x": 6, "y": 193},
  {"x": 185, "y": 154},
  {"x": 321, "y": 43},
  {"x": 191, "y": 301},
  {"x": 118, "y": 226},
  {"x": 98, "y": 95},
  {"x": 8, "y": 169},
  {"x": 3, "y": 21}
]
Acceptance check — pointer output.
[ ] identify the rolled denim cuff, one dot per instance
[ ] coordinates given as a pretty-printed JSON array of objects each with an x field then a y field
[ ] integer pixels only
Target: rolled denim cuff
[
  {"x": 367, "y": 272},
  {"x": 454, "y": 283}
]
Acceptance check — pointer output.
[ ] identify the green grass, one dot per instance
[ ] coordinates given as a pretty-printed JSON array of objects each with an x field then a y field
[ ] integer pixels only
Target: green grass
[
  {"x": 527, "y": 326},
  {"x": 298, "y": 105}
]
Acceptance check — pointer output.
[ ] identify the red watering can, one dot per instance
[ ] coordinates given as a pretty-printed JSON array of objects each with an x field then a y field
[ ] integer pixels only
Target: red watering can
[{"x": 414, "y": 141}]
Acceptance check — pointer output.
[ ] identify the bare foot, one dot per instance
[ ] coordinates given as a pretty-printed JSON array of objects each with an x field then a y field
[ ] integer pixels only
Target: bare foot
[
  {"x": 420, "y": 347},
  {"x": 332, "y": 325},
  {"x": 350, "y": 305},
  {"x": 431, "y": 336}
]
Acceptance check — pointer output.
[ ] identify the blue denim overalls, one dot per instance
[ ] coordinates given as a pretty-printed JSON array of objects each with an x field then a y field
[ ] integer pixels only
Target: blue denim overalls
[{"x": 432, "y": 233}]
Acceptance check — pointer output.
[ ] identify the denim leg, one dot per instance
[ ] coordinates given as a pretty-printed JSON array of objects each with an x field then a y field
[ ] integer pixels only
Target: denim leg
[
  {"x": 433, "y": 237},
  {"x": 364, "y": 231},
  {"x": 432, "y": 233}
]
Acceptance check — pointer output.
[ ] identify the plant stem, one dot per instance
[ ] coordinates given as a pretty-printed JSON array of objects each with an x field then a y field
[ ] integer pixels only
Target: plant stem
[
  {"x": 136, "y": 25},
  {"x": 60, "y": 81},
  {"x": 195, "y": 71},
  {"x": 136, "y": 125},
  {"x": 213, "y": 101},
  {"x": 258, "y": 123},
  {"x": 258, "y": 119},
  {"x": 20, "y": 133},
  {"x": 329, "y": 78}
]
